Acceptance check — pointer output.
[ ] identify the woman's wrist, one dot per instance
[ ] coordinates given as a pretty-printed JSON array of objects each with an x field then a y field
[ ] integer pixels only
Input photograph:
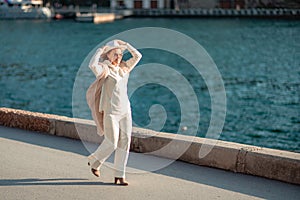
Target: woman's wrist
[{"x": 120, "y": 42}]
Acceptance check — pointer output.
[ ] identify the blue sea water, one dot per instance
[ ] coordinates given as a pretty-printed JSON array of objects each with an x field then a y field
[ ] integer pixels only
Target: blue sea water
[{"x": 257, "y": 58}]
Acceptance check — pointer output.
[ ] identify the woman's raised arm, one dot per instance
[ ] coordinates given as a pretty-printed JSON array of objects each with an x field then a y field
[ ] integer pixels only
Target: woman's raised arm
[
  {"x": 94, "y": 63},
  {"x": 136, "y": 57}
]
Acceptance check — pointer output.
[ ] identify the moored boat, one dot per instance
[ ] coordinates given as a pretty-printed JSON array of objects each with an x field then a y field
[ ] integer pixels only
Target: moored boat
[
  {"x": 19, "y": 9},
  {"x": 95, "y": 17}
]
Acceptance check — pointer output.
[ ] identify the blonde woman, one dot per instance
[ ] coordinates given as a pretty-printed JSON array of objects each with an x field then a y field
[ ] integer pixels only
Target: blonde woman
[{"x": 110, "y": 106}]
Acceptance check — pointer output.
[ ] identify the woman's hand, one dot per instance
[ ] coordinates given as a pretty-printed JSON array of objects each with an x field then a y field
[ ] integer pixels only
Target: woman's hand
[{"x": 120, "y": 42}]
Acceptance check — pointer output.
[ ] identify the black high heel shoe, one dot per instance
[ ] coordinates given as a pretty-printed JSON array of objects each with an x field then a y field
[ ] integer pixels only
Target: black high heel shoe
[
  {"x": 94, "y": 171},
  {"x": 121, "y": 180}
]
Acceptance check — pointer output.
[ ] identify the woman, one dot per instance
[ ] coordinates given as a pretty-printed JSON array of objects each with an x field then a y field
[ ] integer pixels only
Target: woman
[{"x": 110, "y": 106}]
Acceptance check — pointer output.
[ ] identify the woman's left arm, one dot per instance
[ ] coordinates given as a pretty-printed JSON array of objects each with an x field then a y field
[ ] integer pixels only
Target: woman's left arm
[{"x": 136, "y": 57}]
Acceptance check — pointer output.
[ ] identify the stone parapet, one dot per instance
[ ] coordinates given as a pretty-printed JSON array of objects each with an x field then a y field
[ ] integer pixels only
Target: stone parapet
[{"x": 236, "y": 157}]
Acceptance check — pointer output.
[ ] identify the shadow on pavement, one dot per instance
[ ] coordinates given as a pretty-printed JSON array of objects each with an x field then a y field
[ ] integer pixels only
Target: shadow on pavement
[
  {"x": 54, "y": 181},
  {"x": 43, "y": 139},
  {"x": 241, "y": 183}
]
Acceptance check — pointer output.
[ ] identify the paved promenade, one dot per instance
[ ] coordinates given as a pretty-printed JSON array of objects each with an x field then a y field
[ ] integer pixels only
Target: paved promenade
[{"x": 40, "y": 166}]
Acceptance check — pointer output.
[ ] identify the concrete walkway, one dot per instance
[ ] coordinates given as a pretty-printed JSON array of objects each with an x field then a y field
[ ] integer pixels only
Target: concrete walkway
[{"x": 39, "y": 166}]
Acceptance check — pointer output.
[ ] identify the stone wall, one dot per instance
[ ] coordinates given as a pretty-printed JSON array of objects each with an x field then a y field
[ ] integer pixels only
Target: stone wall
[{"x": 241, "y": 158}]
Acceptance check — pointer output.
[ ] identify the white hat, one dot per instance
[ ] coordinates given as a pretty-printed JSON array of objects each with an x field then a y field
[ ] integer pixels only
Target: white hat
[{"x": 110, "y": 46}]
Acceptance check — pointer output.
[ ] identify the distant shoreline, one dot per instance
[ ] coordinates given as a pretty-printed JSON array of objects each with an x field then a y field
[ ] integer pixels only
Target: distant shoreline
[
  {"x": 220, "y": 13},
  {"x": 277, "y": 13}
]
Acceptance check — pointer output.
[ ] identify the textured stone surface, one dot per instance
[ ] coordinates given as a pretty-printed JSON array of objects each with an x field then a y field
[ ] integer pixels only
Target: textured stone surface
[
  {"x": 85, "y": 130},
  {"x": 49, "y": 123},
  {"x": 219, "y": 157},
  {"x": 275, "y": 166},
  {"x": 26, "y": 120}
]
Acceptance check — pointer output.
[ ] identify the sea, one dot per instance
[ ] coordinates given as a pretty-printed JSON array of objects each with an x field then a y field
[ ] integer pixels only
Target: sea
[{"x": 41, "y": 62}]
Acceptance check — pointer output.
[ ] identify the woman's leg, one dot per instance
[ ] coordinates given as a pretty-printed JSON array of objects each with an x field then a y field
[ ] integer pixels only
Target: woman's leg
[
  {"x": 109, "y": 144},
  {"x": 122, "y": 151}
]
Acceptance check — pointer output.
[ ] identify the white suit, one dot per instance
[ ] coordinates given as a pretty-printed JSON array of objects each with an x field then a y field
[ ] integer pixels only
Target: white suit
[{"x": 117, "y": 121}]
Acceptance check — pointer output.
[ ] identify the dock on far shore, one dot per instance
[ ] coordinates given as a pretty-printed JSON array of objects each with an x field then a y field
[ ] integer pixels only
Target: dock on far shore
[
  {"x": 188, "y": 13},
  {"x": 218, "y": 12}
]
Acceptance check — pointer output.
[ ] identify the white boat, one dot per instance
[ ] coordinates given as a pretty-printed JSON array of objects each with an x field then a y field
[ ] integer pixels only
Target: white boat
[
  {"x": 19, "y": 9},
  {"x": 95, "y": 17},
  {"x": 84, "y": 17}
]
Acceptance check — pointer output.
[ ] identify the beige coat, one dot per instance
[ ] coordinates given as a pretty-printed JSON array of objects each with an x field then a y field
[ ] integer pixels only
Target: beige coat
[
  {"x": 93, "y": 99},
  {"x": 93, "y": 93}
]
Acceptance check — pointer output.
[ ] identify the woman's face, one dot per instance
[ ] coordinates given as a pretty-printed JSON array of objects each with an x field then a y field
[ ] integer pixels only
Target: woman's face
[{"x": 115, "y": 56}]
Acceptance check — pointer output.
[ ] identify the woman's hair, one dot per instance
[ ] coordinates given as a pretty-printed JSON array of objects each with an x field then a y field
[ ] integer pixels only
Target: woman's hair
[{"x": 104, "y": 56}]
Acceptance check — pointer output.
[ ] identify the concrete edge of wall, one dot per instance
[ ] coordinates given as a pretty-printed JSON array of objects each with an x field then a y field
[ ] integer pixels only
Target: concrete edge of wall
[{"x": 248, "y": 159}]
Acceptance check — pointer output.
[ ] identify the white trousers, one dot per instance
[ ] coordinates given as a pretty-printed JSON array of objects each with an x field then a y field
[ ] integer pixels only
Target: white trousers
[{"x": 117, "y": 137}]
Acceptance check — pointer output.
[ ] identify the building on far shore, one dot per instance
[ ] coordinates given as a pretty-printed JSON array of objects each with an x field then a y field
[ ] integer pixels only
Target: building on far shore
[
  {"x": 137, "y": 4},
  {"x": 184, "y": 4},
  {"x": 161, "y": 4},
  {"x": 178, "y": 4}
]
